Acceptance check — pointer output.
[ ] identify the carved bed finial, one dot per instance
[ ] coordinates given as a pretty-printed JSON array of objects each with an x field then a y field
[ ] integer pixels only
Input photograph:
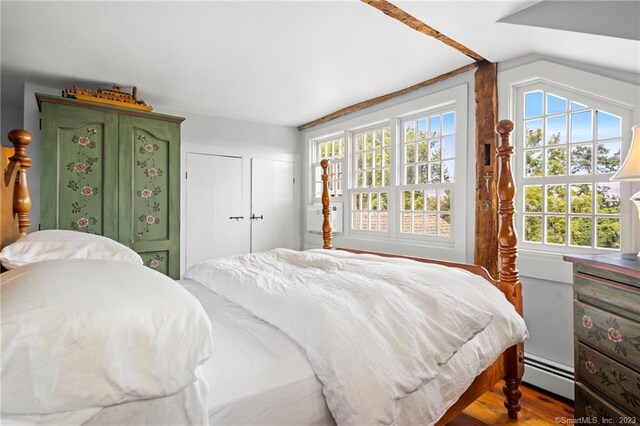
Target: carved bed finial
[
  {"x": 21, "y": 199},
  {"x": 326, "y": 209}
]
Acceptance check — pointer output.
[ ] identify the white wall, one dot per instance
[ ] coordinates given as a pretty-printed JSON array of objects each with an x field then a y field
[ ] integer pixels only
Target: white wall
[
  {"x": 223, "y": 136},
  {"x": 200, "y": 133}
]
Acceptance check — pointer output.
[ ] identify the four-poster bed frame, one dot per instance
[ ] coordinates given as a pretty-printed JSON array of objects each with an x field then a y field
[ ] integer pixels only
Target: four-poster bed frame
[
  {"x": 14, "y": 223},
  {"x": 510, "y": 365}
]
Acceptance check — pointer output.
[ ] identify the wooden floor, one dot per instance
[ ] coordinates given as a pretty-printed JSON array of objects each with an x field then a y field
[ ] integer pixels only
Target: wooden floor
[{"x": 538, "y": 408}]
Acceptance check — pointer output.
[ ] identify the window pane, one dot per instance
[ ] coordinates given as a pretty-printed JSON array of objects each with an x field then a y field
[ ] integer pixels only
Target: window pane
[
  {"x": 374, "y": 221},
  {"x": 608, "y": 232},
  {"x": 368, "y": 179},
  {"x": 444, "y": 225},
  {"x": 556, "y": 161},
  {"x": 581, "y": 126},
  {"x": 410, "y": 175},
  {"x": 418, "y": 200},
  {"x": 430, "y": 224},
  {"x": 431, "y": 204},
  {"x": 532, "y": 133},
  {"x": 387, "y": 156},
  {"x": 555, "y": 104},
  {"x": 434, "y": 126},
  {"x": 423, "y": 173},
  {"x": 556, "y": 198},
  {"x": 609, "y": 126},
  {"x": 533, "y": 162},
  {"x": 434, "y": 149},
  {"x": 423, "y": 151},
  {"x": 383, "y": 201},
  {"x": 410, "y": 150},
  {"x": 368, "y": 141},
  {"x": 359, "y": 142},
  {"x": 377, "y": 139},
  {"x": 556, "y": 229},
  {"x": 406, "y": 200},
  {"x": 373, "y": 198},
  {"x": 448, "y": 123},
  {"x": 581, "y": 198},
  {"x": 533, "y": 198},
  {"x": 434, "y": 172},
  {"x": 448, "y": 147},
  {"x": 410, "y": 131},
  {"x": 368, "y": 159},
  {"x": 581, "y": 159},
  {"x": 418, "y": 223},
  {"x": 533, "y": 229},
  {"x": 448, "y": 171},
  {"x": 384, "y": 222},
  {"x": 581, "y": 231},
  {"x": 533, "y": 104},
  {"x": 405, "y": 226},
  {"x": 359, "y": 162},
  {"x": 422, "y": 128},
  {"x": 387, "y": 177},
  {"x": 556, "y": 130},
  {"x": 365, "y": 201},
  {"x": 445, "y": 200},
  {"x": 608, "y": 198},
  {"x": 386, "y": 136},
  {"x": 608, "y": 157}
]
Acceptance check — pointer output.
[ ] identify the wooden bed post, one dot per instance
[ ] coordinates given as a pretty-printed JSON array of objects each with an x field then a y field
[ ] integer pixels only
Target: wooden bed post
[
  {"x": 508, "y": 273},
  {"x": 326, "y": 208},
  {"x": 21, "y": 199}
]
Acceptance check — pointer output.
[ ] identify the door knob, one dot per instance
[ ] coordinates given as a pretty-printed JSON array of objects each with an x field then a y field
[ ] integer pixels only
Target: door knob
[
  {"x": 254, "y": 217},
  {"x": 237, "y": 218}
]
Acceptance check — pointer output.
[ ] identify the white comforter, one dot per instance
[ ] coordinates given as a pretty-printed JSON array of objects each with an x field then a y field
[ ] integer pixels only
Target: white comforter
[{"x": 374, "y": 332}]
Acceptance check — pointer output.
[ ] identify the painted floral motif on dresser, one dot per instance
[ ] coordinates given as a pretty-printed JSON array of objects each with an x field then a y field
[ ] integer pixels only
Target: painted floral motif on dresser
[
  {"x": 155, "y": 260},
  {"x": 84, "y": 181},
  {"x": 610, "y": 377},
  {"x": 150, "y": 183},
  {"x": 608, "y": 332},
  {"x": 592, "y": 408}
]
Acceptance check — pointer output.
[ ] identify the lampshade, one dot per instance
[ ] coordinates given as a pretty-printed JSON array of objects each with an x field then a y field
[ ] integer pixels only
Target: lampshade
[{"x": 630, "y": 169}]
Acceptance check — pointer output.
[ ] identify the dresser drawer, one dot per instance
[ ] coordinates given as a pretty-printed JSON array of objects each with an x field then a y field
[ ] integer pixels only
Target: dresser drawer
[
  {"x": 610, "y": 379},
  {"x": 618, "y": 298},
  {"x": 590, "y": 405},
  {"x": 611, "y": 334}
]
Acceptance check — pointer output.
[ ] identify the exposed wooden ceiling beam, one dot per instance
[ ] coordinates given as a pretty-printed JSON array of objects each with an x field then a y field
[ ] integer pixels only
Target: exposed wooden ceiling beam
[
  {"x": 396, "y": 13},
  {"x": 383, "y": 98}
]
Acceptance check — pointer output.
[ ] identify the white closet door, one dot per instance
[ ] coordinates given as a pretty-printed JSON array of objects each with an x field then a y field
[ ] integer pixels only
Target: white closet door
[
  {"x": 214, "y": 196},
  {"x": 273, "y": 202}
]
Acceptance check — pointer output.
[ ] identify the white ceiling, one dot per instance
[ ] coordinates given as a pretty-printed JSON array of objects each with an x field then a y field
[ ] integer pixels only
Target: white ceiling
[{"x": 274, "y": 62}]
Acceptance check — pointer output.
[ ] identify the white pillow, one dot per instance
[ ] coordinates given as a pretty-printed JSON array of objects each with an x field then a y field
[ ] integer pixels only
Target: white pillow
[
  {"x": 92, "y": 333},
  {"x": 58, "y": 244}
]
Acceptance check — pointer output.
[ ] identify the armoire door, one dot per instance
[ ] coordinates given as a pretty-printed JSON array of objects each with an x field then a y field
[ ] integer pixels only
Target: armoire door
[
  {"x": 275, "y": 222},
  {"x": 216, "y": 224},
  {"x": 79, "y": 188},
  {"x": 149, "y": 197}
]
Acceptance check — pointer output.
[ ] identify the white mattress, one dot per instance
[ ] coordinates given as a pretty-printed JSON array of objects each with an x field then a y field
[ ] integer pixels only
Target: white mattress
[{"x": 259, "y": 376}]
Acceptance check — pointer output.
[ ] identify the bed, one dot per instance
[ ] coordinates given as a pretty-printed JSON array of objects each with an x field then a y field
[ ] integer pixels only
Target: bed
[{"x": 259, "y": 375}]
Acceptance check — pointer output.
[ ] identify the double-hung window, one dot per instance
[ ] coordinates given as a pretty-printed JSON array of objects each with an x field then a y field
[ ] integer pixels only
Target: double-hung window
[
  {"x": 571, "y": 145},
  {"x": 332, "y": 149},
  {"x": 371, "y": 160},
  {"x": 427, "y": 178}
]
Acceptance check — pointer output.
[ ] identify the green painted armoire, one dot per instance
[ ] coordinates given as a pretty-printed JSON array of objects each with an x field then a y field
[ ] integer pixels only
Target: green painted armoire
[{"x": 114, "y": 172}]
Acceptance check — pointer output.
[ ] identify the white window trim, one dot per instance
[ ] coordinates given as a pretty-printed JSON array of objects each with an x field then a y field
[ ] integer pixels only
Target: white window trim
[
  {"x": 623, "y": 95},
  {"x": 454, "y": 250},
  {"x": 316, "y": 164}
]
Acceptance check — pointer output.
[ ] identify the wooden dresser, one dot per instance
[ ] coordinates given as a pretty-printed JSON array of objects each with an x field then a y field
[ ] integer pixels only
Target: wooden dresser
[{"x": 606, "y": 324}]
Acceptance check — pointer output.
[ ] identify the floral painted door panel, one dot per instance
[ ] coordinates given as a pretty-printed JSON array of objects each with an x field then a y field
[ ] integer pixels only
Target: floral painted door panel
[
  {"x": 79, "y": 190},
  {"x": 149, "y": 195}
]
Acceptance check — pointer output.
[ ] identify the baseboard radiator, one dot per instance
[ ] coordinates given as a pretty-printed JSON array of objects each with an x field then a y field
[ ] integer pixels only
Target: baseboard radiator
[{"x": 549, "y": 375}]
